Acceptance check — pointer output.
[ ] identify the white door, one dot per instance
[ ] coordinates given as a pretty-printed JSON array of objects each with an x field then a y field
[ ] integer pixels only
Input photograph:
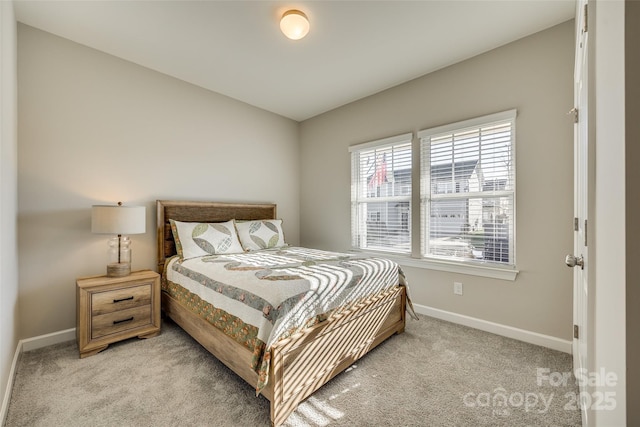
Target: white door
[{"x": 579, "y": 260}]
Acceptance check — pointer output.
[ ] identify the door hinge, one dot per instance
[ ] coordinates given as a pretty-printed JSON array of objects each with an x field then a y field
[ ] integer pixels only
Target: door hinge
[
  {"x": 576, "y": 331},
  {"x": 576, "y": 224},
  {"x": 585, "y": 232},
  {"x": 585, "y": 16},
  {"x": 574, "y": 112}
]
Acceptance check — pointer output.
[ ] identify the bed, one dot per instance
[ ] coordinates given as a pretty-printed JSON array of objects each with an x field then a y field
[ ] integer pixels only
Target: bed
[{"x": 303, "y": 360}]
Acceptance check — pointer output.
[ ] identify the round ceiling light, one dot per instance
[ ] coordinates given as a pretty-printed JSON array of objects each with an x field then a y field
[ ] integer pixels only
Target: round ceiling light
[{"x": 294, "y": 24}]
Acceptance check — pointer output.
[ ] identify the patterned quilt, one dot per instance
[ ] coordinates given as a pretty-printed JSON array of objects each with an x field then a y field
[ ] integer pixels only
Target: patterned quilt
[{"x": 258, "y": 298}]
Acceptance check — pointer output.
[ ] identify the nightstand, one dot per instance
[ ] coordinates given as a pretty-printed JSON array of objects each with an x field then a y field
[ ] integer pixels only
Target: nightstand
[{"x": 111, "y": 309}]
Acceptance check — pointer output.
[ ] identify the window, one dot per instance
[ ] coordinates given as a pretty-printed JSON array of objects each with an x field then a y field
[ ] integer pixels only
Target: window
[
  {"x": 467, "y": 191},
  {"x": 381, "y": 194}
]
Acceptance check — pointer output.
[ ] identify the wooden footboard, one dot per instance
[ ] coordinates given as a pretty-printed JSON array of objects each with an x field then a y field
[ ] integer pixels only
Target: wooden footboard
[
  {"x": 305, "y": 362},
  {"x": 302, "y": 363}
]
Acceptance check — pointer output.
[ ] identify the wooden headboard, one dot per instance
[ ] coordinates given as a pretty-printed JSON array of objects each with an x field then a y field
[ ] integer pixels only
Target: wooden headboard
[{"x": 201, "y": 212}]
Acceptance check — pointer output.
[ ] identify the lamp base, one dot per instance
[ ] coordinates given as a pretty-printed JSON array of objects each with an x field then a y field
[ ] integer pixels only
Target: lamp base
[{"x": 118, "y": 269}]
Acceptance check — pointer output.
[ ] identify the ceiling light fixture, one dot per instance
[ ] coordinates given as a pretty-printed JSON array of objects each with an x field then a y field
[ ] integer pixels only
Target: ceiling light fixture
[{"x": 294, "y": 24}]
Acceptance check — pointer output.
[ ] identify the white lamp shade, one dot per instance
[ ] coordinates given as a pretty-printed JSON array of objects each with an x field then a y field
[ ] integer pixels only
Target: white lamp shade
[
  {"x": 118, "y": 219},
  {"x": 294, "y": 24}
]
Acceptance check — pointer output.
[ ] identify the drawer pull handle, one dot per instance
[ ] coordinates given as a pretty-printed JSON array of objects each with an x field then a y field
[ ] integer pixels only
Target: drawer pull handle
[
  {"x": 115, "y": 322},
  {"x": 123, "y": 299}
]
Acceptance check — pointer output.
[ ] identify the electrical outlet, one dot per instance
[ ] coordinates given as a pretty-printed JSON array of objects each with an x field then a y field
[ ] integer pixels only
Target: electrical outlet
[{"x": 457, "y": 288}]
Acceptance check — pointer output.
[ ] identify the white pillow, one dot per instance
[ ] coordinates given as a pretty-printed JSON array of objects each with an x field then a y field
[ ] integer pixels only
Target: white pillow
[
  {"x": 195, "y": 239},
  {"x": 263, "y": 234}
]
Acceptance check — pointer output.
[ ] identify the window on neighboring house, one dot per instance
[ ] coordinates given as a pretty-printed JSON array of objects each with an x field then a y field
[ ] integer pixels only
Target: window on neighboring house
[
  {"x": 467, "y": 190},
  {"x": 381, "y": 194}
]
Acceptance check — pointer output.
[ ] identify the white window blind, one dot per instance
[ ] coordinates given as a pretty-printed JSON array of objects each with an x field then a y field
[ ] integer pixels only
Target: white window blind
[
  {"x": 468, "y": 190},
  {"x": 381, "y": 194}
]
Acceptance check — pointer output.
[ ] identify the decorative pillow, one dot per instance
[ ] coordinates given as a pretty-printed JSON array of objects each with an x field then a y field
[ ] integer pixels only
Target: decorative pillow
[
  {"x": 263, "y": 234},
  {"x": 194, "y": 239}
]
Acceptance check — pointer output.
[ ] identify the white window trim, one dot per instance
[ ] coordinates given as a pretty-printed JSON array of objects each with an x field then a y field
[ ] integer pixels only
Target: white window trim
[
  {"x": 389, "y": 141},
  {"x": 380, "y": 142},
  {"x": 445, "y": 265},
  {"x": 470, "y": 124},
  {"x": 489, "y": 271}
]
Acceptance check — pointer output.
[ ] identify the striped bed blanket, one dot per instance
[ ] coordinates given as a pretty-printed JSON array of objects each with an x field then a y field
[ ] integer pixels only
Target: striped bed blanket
[{"x": 260, "y": 297}]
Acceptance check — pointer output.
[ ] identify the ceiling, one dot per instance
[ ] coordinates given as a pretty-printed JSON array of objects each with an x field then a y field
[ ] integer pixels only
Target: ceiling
[{"x": 354, "y": 48}]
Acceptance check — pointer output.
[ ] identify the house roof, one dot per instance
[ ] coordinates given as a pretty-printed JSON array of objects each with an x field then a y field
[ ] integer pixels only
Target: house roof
[{"x": 462, "y": 170}]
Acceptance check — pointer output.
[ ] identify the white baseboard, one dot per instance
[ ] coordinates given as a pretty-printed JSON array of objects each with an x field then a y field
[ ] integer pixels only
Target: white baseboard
[
  {"x": 9, "y": 389},
  {"x": 48, "y": 339},
  {"x": 496, "y": 328},
  {"x": 27, "y": 345}
]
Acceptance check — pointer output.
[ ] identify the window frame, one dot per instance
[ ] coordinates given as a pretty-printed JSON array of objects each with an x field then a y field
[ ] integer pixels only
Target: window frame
[
  {"x": 426, "y": 197},
  {"x": 358, "y": 199},
  {"x": 413, "y": 258}
]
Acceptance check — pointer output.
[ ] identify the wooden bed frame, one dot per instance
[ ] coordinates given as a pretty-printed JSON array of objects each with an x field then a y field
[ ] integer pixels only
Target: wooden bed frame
[{"x": 302, "y": 363}]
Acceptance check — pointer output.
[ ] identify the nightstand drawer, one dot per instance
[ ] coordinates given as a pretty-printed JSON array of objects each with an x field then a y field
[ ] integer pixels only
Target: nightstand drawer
[
  {"x": 111, "y": 323},
  {"x": 120, "y": 299}
]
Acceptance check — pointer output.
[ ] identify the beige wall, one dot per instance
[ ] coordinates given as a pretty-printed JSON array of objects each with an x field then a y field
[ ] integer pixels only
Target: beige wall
[
  {"x": 8, "y": 199},
  {"x": 533, "y": 75},
  {"x": 97, "y": 129}
]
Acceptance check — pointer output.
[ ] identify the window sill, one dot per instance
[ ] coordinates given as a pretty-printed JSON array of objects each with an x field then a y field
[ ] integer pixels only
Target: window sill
[{"x": 492, "y": 272}]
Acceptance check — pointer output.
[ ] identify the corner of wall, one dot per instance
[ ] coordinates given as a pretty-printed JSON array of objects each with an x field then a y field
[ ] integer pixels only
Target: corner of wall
[{"x": 9, "y": 345}]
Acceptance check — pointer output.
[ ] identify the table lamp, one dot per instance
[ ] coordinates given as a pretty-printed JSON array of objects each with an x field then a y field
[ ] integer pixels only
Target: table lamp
[{"x": 118, "y": 221}]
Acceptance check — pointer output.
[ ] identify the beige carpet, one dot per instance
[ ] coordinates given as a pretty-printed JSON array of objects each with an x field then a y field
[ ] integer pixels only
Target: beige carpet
[{"x": 435, "y": 374}]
